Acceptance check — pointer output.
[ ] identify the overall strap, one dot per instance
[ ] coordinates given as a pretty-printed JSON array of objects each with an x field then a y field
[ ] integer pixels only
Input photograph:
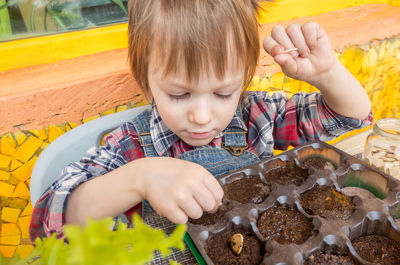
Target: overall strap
[{"x": 142, "y": 126}]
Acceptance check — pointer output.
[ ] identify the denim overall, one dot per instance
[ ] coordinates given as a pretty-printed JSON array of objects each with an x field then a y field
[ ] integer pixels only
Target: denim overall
[{"x": 216, "y": 160}]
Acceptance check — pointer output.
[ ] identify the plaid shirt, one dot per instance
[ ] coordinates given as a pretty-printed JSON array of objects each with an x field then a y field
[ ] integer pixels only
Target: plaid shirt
[{"x": 270, "y": 121}]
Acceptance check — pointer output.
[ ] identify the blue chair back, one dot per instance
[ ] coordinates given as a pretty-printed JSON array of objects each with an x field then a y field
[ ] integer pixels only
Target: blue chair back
[{"x": 71, "y": 146}]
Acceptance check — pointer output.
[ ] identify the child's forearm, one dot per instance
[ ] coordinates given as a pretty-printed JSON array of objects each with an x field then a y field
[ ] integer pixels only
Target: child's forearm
[
  {"x": 176, "y": 189},
  {"x": 343, "y": 93},
  {"x": 104, "y": 196}
]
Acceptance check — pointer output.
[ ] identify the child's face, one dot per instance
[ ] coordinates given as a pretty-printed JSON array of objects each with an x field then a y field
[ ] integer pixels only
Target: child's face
[{"x": 196, "y": 112}]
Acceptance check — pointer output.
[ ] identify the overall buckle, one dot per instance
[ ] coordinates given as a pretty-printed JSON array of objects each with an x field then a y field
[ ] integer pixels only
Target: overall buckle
[
  {"x": 235, "y": 150},
  {"x": 140, "y": 139}
]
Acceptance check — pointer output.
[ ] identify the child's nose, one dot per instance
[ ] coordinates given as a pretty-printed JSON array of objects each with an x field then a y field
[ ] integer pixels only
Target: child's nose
[{"x": 200, "y": 114}]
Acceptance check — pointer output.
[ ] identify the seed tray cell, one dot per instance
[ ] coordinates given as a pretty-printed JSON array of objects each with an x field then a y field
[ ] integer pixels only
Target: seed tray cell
[{"x": 304, "y": 206}]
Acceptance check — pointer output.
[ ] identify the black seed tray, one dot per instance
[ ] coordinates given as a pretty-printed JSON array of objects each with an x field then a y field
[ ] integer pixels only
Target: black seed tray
[{"x": 293, "y": 232}]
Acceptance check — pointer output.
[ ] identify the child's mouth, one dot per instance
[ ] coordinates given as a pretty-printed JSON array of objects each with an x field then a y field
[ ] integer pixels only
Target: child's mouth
[{"x": 199, "y": 135}]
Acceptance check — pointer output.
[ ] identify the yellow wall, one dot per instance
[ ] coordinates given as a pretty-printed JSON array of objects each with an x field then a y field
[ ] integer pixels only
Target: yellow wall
[
  {"x": 53, "y": 48},
  {"x": 281, "y": 10}
]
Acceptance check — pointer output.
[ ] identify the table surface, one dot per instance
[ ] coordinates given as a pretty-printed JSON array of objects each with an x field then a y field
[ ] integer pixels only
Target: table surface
[
  {"x": 353, "y": 144},
  {"x": 183, "y": 257}
]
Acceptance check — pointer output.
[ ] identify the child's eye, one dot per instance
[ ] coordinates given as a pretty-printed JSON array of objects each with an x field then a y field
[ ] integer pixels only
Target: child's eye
[
  {"x": 178, "y": 97},
  {"x": 222, "y": 96}
]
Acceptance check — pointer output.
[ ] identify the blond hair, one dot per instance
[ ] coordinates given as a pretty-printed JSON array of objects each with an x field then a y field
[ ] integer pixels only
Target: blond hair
[{"x": 193, "y": 34}]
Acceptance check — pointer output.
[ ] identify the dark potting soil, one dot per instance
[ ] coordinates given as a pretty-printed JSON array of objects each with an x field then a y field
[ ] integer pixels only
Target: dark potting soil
[
  {"x": 378, "y": 249},
  {"x": 327, "y": 203},
  {"x": 210, "y": 218},
  {"x": 290, "y": 174},
  {"x": 247, "y": 190},
  {"x": 318, "y": 163},
  {"x": 220, "y": 252},
  {"x": 330, "y": 258},
  {"x": 284, "y": 225}
]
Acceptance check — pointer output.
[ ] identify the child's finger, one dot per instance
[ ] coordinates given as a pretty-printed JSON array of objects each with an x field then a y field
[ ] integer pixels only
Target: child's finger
[
  {"x": 271, "y": 46},
  {"x": 296, "y": 36},
  {"x": 288, "y": 64},
  {"x": 205, "y": 199},
  {"x": 214, "y": 188},
  {"x": 191, "y": 208},
  {"x": 311, "y": 31},
  {"x": 175, "y": 215},
  {"x": 281, "y": 37}
]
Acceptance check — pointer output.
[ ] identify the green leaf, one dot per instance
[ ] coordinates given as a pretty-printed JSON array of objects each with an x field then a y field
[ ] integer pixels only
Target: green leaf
[{"x": 121, "y": 5}]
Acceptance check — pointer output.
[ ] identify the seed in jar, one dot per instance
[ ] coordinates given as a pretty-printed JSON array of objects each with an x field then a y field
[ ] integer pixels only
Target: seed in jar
[
  {"x": 388, "y": 159},
  {"x": 237, "y": 243},
  {"x": 392, "y": 155},
  {"x": 378, "y": 154}
]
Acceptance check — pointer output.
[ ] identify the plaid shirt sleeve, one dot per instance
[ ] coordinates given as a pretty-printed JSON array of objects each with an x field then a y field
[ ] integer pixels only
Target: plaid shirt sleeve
[
  {"x": 306, "y": 117},
  {"x": 48, "y": 216},
  {"x": 278, "y": 122}
]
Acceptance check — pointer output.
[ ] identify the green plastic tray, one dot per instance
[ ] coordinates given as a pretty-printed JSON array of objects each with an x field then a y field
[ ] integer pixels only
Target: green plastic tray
[{"x": 194, "y": 250}]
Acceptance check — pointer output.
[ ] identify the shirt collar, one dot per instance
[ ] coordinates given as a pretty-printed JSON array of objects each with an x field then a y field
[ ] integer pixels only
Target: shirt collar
[{"x": 163, "y": 138}]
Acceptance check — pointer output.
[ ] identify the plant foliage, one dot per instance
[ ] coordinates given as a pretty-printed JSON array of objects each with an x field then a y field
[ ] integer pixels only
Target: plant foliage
[{"x": 97, "y": 244}]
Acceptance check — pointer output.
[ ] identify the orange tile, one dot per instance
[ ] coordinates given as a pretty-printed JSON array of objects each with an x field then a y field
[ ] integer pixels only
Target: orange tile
[
  {"x": 24, "y": 250},
  {"x": 20, "y": 137},
  {"x": 24, "y": 223},
  {"x": 7, "y": 145},
  {"x": 9, "y": 230},
  {"x": 7, "y": 251},
  {"x": 4, "y": 161},
  {"x": 54, "y": 132},
  {"x": 31, "y": 162},
  {"x": 15, "y": 164},
  {"x": 10, "y": 240},
  {"x": 28, "y": 148},
  {"x": 4, "y": 175},
  {"x": 41, "y": 134},
  {"x": 22, "y": 173},
  {"x": 6, "y": 189},
  {"x": 21, "y": 190},
  {"x": 10, "y": 214},
  {"x": 28, "y": 210}
]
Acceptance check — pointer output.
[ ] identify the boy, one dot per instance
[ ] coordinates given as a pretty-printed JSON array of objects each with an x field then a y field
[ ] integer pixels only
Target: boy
[{"x": 193, "y": 61}]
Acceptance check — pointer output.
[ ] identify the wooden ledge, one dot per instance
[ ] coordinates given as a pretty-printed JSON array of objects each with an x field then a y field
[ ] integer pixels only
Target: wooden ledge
[{"x": 75, "y": 89}]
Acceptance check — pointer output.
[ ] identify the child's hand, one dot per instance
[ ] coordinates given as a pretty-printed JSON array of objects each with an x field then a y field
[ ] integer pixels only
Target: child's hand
[
  {"x": 179, "y": 189},
  {"x": 314, "y": 56}
]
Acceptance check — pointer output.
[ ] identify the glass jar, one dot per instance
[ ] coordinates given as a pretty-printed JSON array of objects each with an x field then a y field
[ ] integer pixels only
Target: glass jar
[{"x": 382, "y": 147}]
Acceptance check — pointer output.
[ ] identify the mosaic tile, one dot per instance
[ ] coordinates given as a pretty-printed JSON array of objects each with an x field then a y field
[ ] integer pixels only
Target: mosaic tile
[
  {"x": 6, "y": 189},
  {"x": 7, "y": 145},
  {"x": 10, "y": 214},
  {"x": 27, "y": 149},
  {"x": 4, "y": 175},
  {"x": 4, "y": 161},
  {"x": 24, "y": 250},
  {"x": 9, "y": 230},
  {"x": 7, "y": 251},
  {"x": 21, "y": 190}
]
